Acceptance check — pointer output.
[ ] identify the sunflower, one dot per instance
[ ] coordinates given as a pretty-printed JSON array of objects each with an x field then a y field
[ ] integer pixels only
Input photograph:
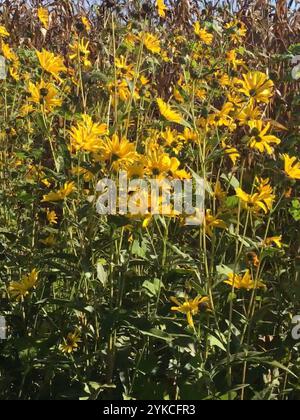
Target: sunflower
[
  {"x": 262, "y": 199},
  {"x": 233, "y": 60},
  {"x": 3, "y": 32},
  {"x": 161, "y": 8},
  {"x": 86, "y": 135},
  {"x": 247, "y": 113},
  {"x": 151, "y": 42},
  {"x": 8, "y": 53},
  {"x": 43, "y": 16},
  {"x": 80, "y": 51},
  {"x": 211, "y": 222},
  {"x": 70, "y": 343},
  {"x": 85, "y": 21},
  {"x": 61, "y": 194},
  {"x": 222, "y": 118},
  {"x": 256, "y": 86},
  {"x": 51, "y": 63},
  {"x": 119, "y": 152},
  {"x": 237, "y": 31},
  {"x": 291, "y": 166},
  {"x": 259, "y": 137},
  {"x": 157, "y": 163},
  {"x": 45, "y": 95},
  {"x": 244, "y": 282},
  {"x": 191, "y": 307},
  {"x": 19, "y": 290},
  {"x": 123, "y": 69},
  {"x": 232, "y": 152},
  {"x": 276, "y": 240},
  {"x": 52, "y": 217},
  {"x": 168, "y": 113},
  {"x": 203, "y": 34}
]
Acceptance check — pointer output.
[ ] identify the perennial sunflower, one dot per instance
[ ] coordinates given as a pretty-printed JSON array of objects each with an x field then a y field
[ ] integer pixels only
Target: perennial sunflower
[
  {"x": 291, "y": 166},
  {"x": 19, "y": 290},
  {"x": 51, "y": 63},
  {"x": 45, "y": 95},
  {"x": 86, "y": 135},
  {"x": 256, "y": 86},
  {"x": 244, "y": 282},
  {"x": 191, "y": 307},
  {"x": 259, "y": 137}
]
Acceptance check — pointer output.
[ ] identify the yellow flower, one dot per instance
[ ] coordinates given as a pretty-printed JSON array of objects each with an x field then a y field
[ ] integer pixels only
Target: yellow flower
[
  {"x": 52, "y": 217},
  {"x": 259, "y": 139},
  {"x": 86, "y": 135},
  {"x": 277, "y": 240},
  {"x": 70, "y": 343},
  {"x": 80, "y": 51},
  {"x": 170, "y": 138},
  {"x": 13, "y": 71},
  {"x": 237, "y": 30},
  {"x": 168, "y": 113},
  {"x": 203, "y": 34},
  {"x": 51, "y": 63},
  {"x": 87, "y": 175},
  {"x": 43, "y": 16},
  {"x": 261, "y": 200},
  {"x": 291, "y": 166},
  {"x": 119, "y": 152},
  {"x": 247, "y": 113},
  {"x": 232, "y": 152},
  {"x": 244, "y": 282},
  {"x": 221, "y": 117},
  {"x": 61, "y": 194},
  {"x": 151, "y": 42},
  {"x": 233, "y": 60},
  {"x": 124, "y": 69},
  {"x": 256, "y": 86},
  {"x": 161, "y": 7},
  {"x": 191, "y": 307},
  {"x": 45, "y": 95},
  {"x": 212, "y": 222},
  {"x": 86, "y": 23},
  {"x": 121, "y": 89},
  {"x": 19, "y": 290},
  {"x": 3, "y": 32},
  {"x": 8, "y": 53}
]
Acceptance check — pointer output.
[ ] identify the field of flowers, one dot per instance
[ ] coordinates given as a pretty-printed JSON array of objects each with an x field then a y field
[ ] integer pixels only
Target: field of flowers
[{"x": 140, "y": 305}]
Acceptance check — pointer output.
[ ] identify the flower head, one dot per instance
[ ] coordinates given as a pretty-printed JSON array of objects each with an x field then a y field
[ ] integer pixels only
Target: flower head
[
  {"x": 86, "y": 135},
  {"x": 262, "y": 199},
  {"x": 43, "y": 16},
  {"x": 260, "y": 139},
  {"x": 151, "y": 42},
  {"x": 44, "y": 95},
  {"x": 191, "y": 307},
  {"x": 256, "y": 86},
  {"x": 291, "y": 166},
  {"x": 161, "y": 7},
  {"x": 3, "y": 32},
  {"x": 244, "y": 282},
  {"x": 168, "y": 113},
  {"x": 61, "y": 194},
  {"x": 51, "y": 63},
  {"x": 19, "y": 290},
  {"x": 70, "y": 343}
]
